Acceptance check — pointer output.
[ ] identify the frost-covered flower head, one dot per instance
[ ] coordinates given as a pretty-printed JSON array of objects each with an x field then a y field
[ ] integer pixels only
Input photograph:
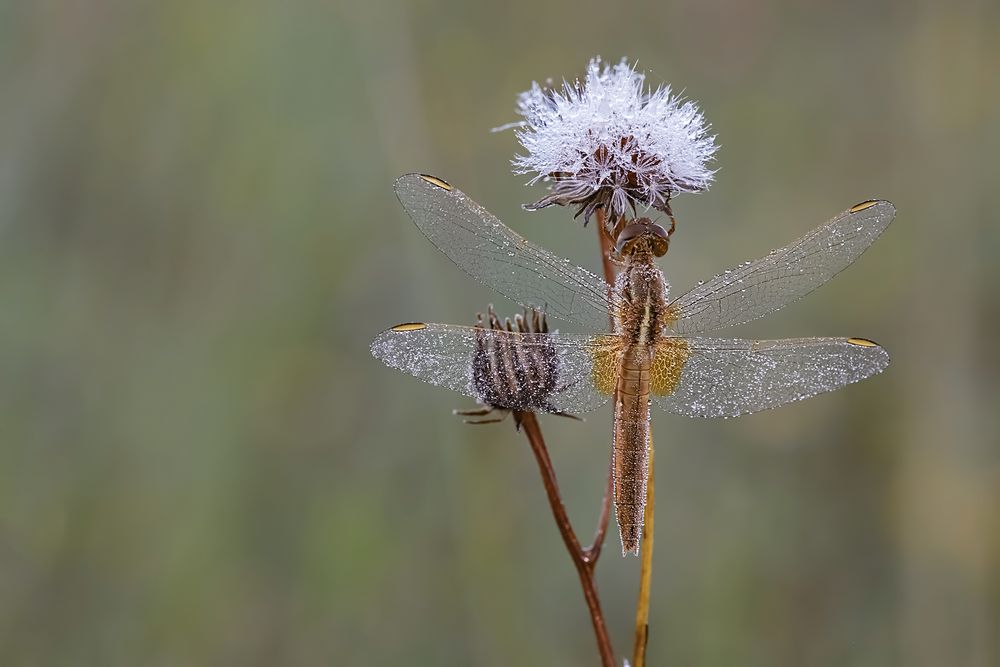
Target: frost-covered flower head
[{"x": 610, "y": 143}]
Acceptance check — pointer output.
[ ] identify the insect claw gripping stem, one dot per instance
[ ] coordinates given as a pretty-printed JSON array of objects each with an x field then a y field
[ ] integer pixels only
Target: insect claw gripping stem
[{"x": 481, "y": 412}]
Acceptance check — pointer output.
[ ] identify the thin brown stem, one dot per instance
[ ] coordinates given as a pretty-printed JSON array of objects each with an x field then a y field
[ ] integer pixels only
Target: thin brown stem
[
  {"x": 606, "y": 245},
  {"x": 583, "y": 560},
  {"x": 593, "y": 552},
  {"x": 642, "y": 605}
]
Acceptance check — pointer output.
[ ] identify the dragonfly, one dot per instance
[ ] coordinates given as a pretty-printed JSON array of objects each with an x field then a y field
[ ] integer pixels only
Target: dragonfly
[{"x": 641, "y": 347}]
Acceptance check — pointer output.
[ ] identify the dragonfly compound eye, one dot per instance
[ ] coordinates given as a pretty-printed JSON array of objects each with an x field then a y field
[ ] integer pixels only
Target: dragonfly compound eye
[
  {"x": 655, "y": 236},
  {"x": 632, "y": 232},
  {"x": 659, "y": 240}
]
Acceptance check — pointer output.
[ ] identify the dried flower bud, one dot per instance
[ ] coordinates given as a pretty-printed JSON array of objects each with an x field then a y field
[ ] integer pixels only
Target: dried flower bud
[
  {"x": 508, "y": 375},
  {"x": 515, "y": 368},
  {"x": 609, "y": 143}
]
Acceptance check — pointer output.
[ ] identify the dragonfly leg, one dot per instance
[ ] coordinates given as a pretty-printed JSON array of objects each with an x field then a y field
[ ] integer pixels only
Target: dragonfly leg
[
  {"x": 479, "y": 412},
  {"x": 559, "y": 413},
  {"x": 673, "y": 222},
  {"x": 482, "y": 412}
]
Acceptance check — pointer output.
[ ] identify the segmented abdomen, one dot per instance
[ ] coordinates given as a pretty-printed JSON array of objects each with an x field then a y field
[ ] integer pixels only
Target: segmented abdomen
[{"x": 631, "y": 445}]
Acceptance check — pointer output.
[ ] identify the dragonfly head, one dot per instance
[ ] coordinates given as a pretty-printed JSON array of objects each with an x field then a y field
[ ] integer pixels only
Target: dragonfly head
[{"x": 643, "y": 232}]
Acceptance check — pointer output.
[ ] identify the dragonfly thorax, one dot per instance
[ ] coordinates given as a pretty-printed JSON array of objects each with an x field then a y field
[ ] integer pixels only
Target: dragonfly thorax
[{"x": 643, "y": 290}]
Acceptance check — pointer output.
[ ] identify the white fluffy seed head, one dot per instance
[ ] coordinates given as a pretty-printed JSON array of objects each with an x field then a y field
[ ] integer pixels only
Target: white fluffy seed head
[{"x": 609, "y": 142}]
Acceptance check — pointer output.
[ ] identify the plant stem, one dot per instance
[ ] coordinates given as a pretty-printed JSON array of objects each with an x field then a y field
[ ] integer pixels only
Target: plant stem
[
  {"x": 583, "y": 559},
  {"x": 646, "y": 555},
  {"x": 593, "y": 552},
  {"x": 609, "y": 269}
]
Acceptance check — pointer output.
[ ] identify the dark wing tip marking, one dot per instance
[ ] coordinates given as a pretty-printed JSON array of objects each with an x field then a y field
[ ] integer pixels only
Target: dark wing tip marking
[
  {"x": 409, "y": 326},
  {"x": 863, "y": 205},
  {"x": 869, "y": 203},
  {"x": 407, "y": 181},
  {"x": 439, "y": 182}
]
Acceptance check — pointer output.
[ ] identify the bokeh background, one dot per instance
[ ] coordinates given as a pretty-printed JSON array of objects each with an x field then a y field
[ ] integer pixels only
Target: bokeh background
[{"x": 200, "y": 463}]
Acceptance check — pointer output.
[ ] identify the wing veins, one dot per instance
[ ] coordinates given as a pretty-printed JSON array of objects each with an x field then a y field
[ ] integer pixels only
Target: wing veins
[
  {"x": 573, "y": 293},
  {"x": 756, "y": 288}
]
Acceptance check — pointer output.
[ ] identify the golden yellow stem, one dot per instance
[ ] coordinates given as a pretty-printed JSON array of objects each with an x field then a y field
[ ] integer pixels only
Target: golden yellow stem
[{"x": 646, "y": 556}]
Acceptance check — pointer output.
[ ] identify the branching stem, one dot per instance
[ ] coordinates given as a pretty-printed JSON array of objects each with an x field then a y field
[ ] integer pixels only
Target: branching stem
[{"x": 584, "y": 560}]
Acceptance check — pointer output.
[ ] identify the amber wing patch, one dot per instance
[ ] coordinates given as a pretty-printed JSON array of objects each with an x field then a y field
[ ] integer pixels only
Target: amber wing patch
[
  {"x": 670, "y": 315},
  {"x": 607, "y": 358},
  {"x": 669, "y": 358}
]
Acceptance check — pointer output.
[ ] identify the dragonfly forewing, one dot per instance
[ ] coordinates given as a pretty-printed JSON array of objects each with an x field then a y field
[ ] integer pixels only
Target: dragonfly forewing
[
  {"x": 463, "y": 359},
  {"x": 723, "y": 377},
  {"x": 496, "y": 256},
  {"x": 754, "y": 289}
]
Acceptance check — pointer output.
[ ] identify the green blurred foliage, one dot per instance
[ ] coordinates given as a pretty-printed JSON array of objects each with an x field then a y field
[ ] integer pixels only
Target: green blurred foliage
[{"x": 200, "y": 463}]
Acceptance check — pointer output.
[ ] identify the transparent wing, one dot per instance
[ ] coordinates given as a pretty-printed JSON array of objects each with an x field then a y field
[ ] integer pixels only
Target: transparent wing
[
  {"x": 493, "y": 254},
  {"x": 728, "y": 377},
  {"x": 757, "y": 288},
  {"x": 519, "y": 371}
]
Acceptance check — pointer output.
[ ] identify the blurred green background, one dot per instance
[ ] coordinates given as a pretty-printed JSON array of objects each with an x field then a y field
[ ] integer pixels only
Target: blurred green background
[{"x": 200, "y": 463}]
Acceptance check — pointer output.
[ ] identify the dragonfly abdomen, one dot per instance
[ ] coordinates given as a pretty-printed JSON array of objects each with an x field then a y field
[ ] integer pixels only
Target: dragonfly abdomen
[{"x": 631, "y": 444}]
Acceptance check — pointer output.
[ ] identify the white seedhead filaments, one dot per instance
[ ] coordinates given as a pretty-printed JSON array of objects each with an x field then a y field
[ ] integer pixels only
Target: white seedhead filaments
[{"x": 609, "y": 142}]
